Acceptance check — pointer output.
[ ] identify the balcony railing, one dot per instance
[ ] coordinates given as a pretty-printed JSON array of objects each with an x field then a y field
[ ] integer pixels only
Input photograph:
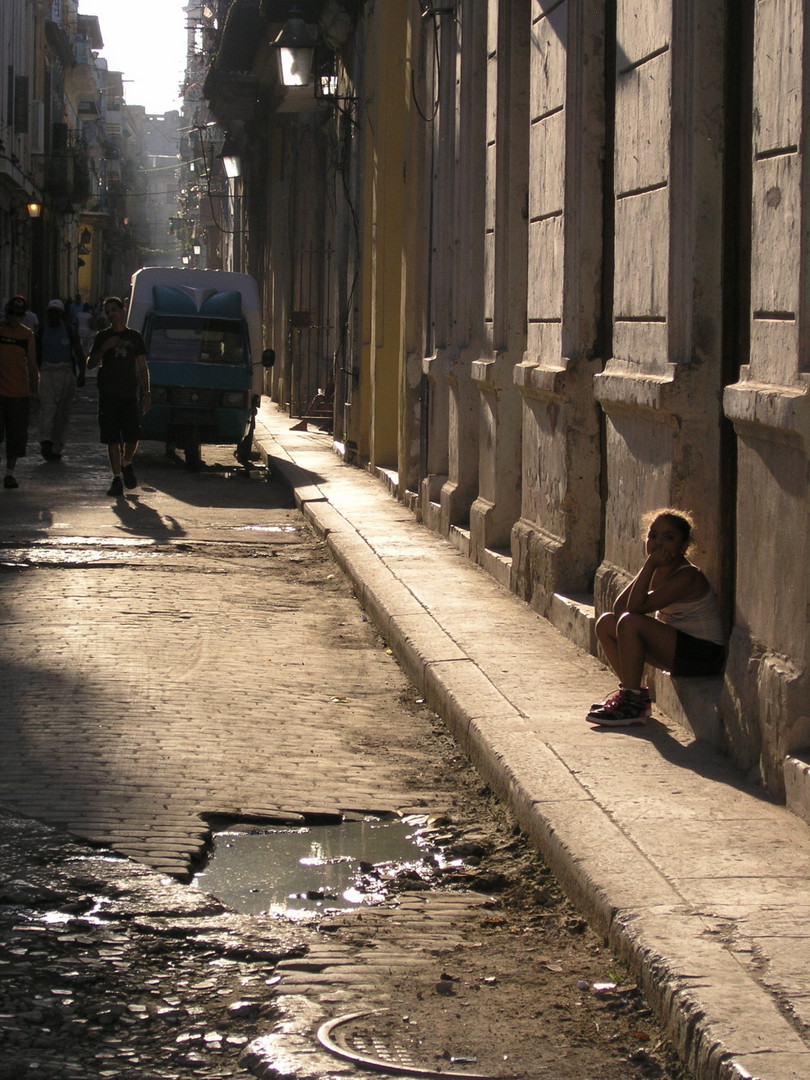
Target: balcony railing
[{"x": 67, "y": 173}]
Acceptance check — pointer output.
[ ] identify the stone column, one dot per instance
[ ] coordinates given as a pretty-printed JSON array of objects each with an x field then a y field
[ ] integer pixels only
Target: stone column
[
  {"x": 439, "y": 114},
  {"x": 497, "y": 507},
  {"x": 660, "y": 390},
  {"x": 466, "y": 331},
  {"x": 767, "y": 711},
  {"x": 416, "y": 255},
  {"x": 373, "y": 417},
  {"x": 556, "y": 542}
]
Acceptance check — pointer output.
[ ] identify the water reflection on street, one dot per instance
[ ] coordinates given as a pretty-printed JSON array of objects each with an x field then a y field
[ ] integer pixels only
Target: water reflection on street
[{"x": 309, "y": 870}]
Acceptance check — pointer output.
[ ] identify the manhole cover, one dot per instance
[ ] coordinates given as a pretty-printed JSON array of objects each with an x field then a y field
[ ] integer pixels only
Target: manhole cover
[{"x": 353, "y": 1038}]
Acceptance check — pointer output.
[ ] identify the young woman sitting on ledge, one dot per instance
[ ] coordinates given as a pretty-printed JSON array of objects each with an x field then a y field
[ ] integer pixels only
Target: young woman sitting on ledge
[{"x": 666, "y": 617}]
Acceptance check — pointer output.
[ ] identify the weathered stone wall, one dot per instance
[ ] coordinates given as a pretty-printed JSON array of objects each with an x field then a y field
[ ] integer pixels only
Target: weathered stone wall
[
  {"x": 577, "y": 251},
  {"x": 661, "y": 388},
  {"x": 497, "y": 506},
  {"x": 465, "y": 260},
  {"x": 556, "y": 543},
  {"x": 766, "y": 708}
]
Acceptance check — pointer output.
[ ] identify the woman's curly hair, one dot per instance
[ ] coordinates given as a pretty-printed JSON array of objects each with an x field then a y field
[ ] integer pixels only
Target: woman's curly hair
[{"x": 681, "y": 519}]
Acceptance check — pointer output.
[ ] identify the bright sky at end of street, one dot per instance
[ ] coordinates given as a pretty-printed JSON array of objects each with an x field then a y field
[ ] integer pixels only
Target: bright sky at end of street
[{"x": 147, "y": 42}]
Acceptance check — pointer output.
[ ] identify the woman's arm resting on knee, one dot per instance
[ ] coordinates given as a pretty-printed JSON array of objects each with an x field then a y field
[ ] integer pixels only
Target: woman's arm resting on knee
[{"x": 649, "y": 591}]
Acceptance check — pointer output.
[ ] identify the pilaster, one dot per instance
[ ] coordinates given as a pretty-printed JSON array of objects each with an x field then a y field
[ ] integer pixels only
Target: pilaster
[
  {"x": 497, "y": 506},
  {"x": 555, "y": 544},
  {"x": 661, "y": 388},
  {"x": 767, "y": 677},
  {"x": 467, "y": 263},
  {"x": 439, "y": 118}
]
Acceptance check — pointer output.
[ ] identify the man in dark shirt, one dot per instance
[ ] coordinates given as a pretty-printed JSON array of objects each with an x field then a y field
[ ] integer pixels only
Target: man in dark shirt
[{"x": 123, "y": 391}]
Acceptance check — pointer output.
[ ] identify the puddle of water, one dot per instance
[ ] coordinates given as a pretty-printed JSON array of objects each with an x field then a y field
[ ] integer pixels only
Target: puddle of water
[
  {"x": 54, "y": 917},
  {"x": 58, "y": 556},
  {"x": 265, "y": 528},
  {"x": 308, "y": 870},
  {"x": 86, "y": 541}
]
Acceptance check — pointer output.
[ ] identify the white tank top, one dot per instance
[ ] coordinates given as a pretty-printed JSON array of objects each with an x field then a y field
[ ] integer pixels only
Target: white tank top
[{"x": 700, "y": 618}]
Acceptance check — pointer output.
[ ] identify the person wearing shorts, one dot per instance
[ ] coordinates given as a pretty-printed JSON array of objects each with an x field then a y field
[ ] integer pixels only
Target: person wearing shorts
[
  {"x": 667, "y": 617},
  {"x": 124, "y": 395},
  {"x": 697, "y": 656},
  {"x": 19, "y": 384}
]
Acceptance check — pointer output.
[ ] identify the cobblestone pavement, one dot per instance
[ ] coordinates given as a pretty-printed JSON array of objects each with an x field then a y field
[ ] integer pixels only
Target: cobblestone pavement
[
  {"x": 188, "y": 651},
  {"x": 107, "y": 970},
  {"x": 189, "y": 655}
]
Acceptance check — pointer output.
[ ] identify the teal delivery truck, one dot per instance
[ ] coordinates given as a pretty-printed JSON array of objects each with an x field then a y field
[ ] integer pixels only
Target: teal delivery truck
[{"x": 203, "y": 334}]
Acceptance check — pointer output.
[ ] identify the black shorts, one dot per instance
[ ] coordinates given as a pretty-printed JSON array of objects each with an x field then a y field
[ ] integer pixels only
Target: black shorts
[
  {"x": 119, "y": 420},
  {"x": 14, "y": 413},
  {"x": 696, "y": 656}
]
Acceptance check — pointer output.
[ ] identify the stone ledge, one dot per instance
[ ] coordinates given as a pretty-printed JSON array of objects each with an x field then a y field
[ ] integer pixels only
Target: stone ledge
[
  {"x": 622, "y": 385},
  {"x": 388, "y": 477},
  {"x": 765, "y": 405},
  {"x": 498, "y": 564},
  {"x": 797, "y": 785},
  {"x": 693, "y": 703},
  {"x": 461, "y": 540},
  {"x": 575, "y": 618}
]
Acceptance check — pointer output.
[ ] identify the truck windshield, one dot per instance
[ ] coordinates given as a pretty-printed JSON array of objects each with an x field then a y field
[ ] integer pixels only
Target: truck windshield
[{"x": 190, "y": 340}]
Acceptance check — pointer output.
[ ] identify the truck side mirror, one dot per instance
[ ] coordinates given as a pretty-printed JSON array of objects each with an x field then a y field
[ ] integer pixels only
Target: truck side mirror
[{"x": 268, "y": 358}]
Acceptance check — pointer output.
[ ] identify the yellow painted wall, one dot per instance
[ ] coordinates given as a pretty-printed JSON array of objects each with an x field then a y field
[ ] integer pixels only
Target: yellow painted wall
[{"x": 384, "y": 117}]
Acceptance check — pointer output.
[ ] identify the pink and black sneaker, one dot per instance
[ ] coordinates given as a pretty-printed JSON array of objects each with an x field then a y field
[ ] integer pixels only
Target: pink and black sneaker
[{"x": 622, "y": 709}]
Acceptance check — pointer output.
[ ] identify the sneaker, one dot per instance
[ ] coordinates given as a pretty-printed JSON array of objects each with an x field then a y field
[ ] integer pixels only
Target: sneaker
[
  {"x": 130, "y": 479},
  {"x": 10, "y": 482},
  {"x": 611, "y": 699},
  {"x": 117, "y": 486},
  {"x": 631, "y": 707}
]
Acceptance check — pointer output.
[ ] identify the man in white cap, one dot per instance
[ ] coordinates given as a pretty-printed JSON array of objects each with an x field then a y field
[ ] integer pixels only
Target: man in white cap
[{"x": 61, "y": 367}]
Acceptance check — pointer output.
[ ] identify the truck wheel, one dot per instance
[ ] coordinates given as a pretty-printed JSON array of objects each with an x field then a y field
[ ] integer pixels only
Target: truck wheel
[{"x": 191, "y": 449}]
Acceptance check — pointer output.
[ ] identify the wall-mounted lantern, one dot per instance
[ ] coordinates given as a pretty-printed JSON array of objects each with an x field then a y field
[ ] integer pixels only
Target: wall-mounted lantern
[
  {"x": 296, "y": 49},
  {"x": 231, "y": 161},
  {"x": 34, "y": 209}
]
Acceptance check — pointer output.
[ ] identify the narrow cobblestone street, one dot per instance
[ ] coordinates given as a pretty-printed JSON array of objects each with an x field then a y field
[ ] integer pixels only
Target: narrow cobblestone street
[
  {"x": 190, "y": 655},
  {"x": 187, "y": 651}
]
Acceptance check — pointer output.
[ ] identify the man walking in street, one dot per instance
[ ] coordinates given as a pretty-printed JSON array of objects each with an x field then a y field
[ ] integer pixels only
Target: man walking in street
[
  {"x": 19, "y": 383},
  {"x": 30, "y": 320},
  {"x": 61, "y": 368},
  {"x": 119, "y": 353}
]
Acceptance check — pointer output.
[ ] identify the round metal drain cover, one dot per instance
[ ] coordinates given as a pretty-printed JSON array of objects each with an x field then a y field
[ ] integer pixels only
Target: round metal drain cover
[{"x": 353, "y": 1038}]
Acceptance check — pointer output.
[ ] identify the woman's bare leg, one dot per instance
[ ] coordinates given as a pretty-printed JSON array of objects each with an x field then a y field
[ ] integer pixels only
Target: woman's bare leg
[
  {"x": 639, "y": 640},
  {"x": 606, "y": 633}
]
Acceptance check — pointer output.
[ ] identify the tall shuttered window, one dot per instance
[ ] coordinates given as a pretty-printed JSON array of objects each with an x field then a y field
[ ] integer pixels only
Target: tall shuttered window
[{"x": 21, "y": 109}]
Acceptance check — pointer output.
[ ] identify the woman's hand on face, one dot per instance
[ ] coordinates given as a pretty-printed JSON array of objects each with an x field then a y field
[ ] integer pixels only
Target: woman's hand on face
[{"x": 660, "y": 557}]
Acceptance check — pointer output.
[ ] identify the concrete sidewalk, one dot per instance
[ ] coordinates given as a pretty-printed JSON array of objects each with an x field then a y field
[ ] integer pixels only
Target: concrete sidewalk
[{"x": 700, "y": 884}]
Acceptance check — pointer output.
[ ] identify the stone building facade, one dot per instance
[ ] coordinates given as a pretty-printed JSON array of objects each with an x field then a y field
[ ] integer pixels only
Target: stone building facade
[
  {"x": 563, "y": 267},
  {"x": 69, "y": 152}
]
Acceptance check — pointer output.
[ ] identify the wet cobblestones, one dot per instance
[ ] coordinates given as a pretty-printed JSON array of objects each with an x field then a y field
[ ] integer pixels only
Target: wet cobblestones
[{"x": 109, "y": 971}]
